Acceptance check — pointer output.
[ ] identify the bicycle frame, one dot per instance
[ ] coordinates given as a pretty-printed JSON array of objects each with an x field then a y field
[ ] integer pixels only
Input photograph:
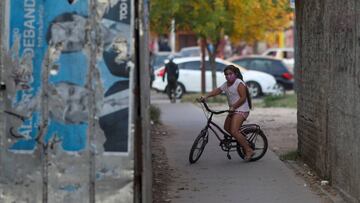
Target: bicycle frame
[
  {"x": 210, "y": 125},
  {"x": 228, "y": 142}
]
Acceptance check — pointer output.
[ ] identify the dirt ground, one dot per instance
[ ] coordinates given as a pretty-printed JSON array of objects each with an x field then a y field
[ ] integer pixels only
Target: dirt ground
[
  {"x": 278, "y": 124},
  {"x": 161, "y": 169}
]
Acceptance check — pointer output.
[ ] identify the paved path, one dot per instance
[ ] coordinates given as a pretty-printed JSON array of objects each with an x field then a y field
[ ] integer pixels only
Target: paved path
[{"x": 214, "y": 178}]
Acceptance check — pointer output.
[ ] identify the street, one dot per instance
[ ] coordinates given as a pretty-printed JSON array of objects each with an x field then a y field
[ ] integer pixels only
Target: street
[{"x": 214, "y": 178}]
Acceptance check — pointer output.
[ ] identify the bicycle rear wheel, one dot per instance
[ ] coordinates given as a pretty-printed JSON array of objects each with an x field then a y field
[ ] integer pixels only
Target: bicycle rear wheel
[
  {"x": 198, "y": 146},
  {"x": 257, "y": 141}
]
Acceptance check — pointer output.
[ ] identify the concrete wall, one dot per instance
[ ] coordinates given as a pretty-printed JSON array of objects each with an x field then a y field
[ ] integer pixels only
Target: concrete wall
[
  {"x": 70, "y": 112},
  {"x": 327, "y": 72}
]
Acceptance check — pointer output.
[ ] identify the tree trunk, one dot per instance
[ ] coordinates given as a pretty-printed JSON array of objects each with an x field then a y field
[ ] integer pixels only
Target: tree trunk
[
  {"x": 256, "y": 47},
  {"x": 213, "y": 70},
  {"x": 202, "y": 65},
  {"x": 212, "y": 57}
]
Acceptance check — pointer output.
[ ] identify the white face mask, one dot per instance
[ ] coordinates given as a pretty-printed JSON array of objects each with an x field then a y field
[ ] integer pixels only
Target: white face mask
[{"x": 230, "y": 77}]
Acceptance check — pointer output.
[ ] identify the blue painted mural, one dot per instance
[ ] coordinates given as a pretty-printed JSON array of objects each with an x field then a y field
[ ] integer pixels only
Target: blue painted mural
[{"x": 38, "y": 24}]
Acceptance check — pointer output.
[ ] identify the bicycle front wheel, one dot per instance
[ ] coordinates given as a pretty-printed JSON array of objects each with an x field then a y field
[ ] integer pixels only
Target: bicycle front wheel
[
  {"x": 198, "y": 146},
  {"x": 258, "y": 142}
]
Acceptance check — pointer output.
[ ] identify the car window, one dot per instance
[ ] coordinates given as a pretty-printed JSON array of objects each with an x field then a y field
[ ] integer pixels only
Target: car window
[
  {"x": 207, "y": 65},
  {"x": 277, "y": 68},
  {"x": 271, "y": 53},
  {"x": 181, "y": 65},
  {"x": 260, "y": 65},
  {"x": 158, "y": 60},
  {"x": 273, "y": 67},
  {"x": 288, "y": 54},
  {"x": 220, "y": 66},
  {"x": 192, "y": 65},
  {"x": 243, "y": 62},
  {"x": 190, "y": 52}
]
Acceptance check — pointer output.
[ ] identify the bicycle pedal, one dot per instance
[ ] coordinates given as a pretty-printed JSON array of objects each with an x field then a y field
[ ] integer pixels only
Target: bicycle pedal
[{"x": 228, "y": 156}]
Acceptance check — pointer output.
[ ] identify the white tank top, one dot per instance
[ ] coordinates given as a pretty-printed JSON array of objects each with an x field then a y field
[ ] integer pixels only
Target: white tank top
[{"x": 233, "y": 95}]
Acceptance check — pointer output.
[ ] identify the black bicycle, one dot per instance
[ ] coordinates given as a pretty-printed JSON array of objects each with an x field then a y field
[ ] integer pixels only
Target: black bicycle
[{"x": 254, "y": 135}]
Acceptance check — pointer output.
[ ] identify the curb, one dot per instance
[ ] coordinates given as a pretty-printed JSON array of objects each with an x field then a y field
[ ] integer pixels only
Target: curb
[{"x": 318, "y": 186}]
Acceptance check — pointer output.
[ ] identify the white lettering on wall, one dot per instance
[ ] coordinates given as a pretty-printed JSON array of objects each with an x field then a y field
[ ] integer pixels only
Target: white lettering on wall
[
  {"x": 29, "y": 27},
  {"x": 123, "y": 10}
]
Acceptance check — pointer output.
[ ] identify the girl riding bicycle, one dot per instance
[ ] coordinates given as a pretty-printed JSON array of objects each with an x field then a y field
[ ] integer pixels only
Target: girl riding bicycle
[{"x": 239, "y": 104}]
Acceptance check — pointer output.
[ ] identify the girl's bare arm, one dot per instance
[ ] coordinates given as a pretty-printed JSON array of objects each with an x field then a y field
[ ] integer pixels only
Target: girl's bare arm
[{"x": 213, "y": 93}]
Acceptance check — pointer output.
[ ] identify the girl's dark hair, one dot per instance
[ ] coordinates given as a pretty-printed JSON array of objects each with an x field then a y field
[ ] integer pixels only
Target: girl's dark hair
[
  {"x": 235, "y": 70},
  {"x": 240, "y": 76}
]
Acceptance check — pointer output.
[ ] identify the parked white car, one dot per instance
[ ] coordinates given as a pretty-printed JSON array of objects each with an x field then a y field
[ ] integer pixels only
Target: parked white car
[
  {"x": 259, "y": 83},
  {"x": 285, "y": 54},
  {"x": 190, "y": 51}
]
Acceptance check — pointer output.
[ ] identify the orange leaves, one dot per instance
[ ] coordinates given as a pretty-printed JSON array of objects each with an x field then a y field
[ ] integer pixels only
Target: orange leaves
[
  {"x": 242, "y": 20},
  {"x": 253, "y": 19}
]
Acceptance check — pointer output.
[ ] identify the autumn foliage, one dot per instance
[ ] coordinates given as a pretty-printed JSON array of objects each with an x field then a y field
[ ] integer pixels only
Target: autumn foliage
[{"x": 242, "y": 20}]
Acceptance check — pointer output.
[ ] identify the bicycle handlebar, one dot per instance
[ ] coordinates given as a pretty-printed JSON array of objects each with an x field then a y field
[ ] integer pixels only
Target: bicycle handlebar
[{"x": 209, "y": 110}]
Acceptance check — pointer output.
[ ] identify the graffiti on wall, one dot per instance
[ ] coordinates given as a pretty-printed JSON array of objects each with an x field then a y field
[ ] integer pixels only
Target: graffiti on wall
[{"x": 33, "y": 32}]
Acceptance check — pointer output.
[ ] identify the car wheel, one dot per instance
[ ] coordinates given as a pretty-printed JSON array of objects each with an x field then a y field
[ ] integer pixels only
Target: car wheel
[
  {"x": 180, "y": 90},
  {"x": 254, "y": 89},
  {"x": 280, "y": 89}
]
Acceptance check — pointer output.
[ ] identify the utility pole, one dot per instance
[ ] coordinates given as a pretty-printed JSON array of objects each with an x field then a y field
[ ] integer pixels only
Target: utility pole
[
  {"x": 143, "y": 168},
  {"x": 172, "y": 37},
  {"x": 202, "y": 65},
  {"x": 2, "y": 84},
  {"x": 1, "y": 45}
]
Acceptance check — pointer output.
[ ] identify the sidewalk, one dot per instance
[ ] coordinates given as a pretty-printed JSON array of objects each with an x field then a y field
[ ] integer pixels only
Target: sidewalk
[{"x": 214, "y": 178}]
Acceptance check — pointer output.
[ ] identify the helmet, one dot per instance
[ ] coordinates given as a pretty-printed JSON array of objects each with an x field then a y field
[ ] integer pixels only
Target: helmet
[{"x": 171, "y": 57}]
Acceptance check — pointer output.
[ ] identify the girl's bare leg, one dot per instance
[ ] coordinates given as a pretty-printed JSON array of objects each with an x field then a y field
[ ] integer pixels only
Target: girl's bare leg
[
  {"x": 227, "y": 124},
  {"x": 236, "y": 122}
]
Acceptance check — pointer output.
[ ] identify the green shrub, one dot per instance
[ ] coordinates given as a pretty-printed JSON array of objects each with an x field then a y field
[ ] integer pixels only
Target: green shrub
[
  {"x": 155, "y": 114},
  {"x": 290, "y": 156},
  {"x": 287, "y": 101}
]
